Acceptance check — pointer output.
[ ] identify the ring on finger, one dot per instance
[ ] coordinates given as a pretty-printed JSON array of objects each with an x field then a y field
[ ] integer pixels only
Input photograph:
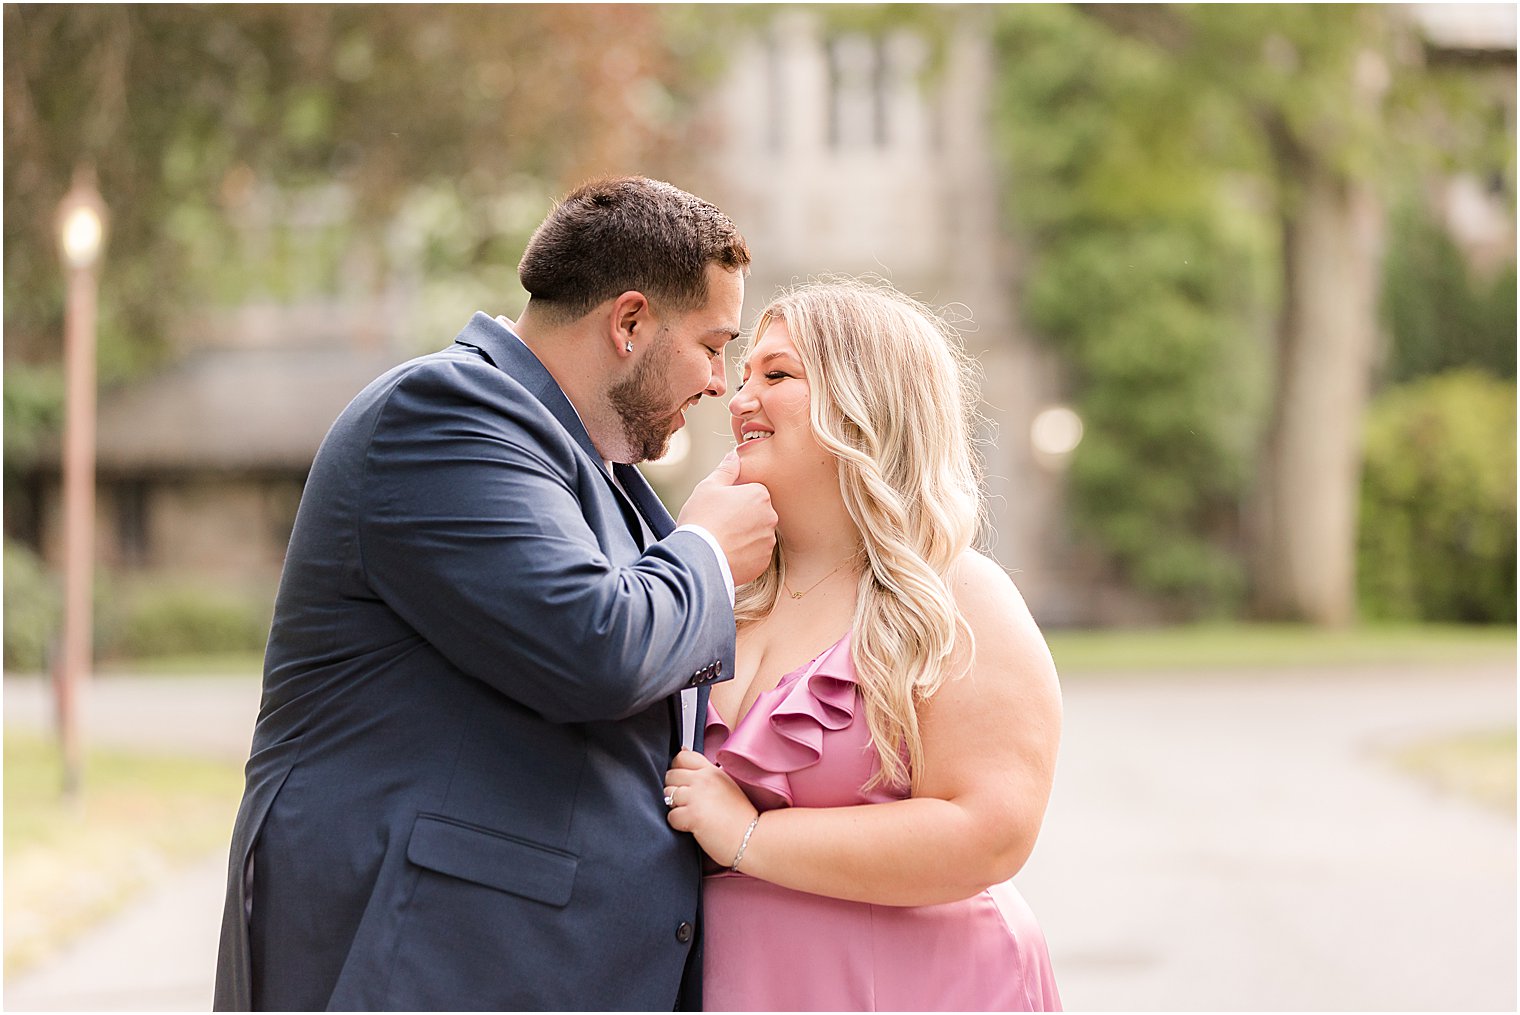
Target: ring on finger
[{"x": 670, "y": 798}]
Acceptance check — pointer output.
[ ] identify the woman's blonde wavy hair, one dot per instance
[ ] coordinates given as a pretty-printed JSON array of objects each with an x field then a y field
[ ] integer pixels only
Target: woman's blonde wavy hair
[{"x": 893, "y": 398}]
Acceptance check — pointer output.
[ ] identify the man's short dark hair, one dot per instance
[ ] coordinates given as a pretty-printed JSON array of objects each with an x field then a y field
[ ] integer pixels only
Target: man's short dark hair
[{"x": 625, "y": 233}]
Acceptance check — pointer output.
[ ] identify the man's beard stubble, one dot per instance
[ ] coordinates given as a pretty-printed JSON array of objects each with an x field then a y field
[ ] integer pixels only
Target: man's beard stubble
[{"x": 642, "y": 403}]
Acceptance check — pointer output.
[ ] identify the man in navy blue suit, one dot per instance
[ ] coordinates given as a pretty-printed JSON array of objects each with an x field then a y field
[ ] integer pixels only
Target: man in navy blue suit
[{"x": 490, "y": 640}]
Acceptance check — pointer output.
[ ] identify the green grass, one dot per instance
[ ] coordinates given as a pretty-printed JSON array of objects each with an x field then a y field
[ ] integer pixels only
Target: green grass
[
  {"x": 1480, "y": 766},
  {"x": 1194, "y": 647},
  {"x": 201, "y": 664},
  {"x": 1229, "y": 646},
  {"x": 69, "y": 864}
]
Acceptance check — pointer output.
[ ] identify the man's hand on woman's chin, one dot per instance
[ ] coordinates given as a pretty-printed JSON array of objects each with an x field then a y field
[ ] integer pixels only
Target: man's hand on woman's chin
[{"x": 739, "y": 516}]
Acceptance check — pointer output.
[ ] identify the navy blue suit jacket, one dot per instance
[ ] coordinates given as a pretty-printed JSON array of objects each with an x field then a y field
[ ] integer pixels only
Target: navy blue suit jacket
[{"x": 453, "y": 799}]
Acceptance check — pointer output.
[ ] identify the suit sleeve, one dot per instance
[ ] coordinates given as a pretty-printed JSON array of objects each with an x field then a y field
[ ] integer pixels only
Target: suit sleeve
[{"x": 474, "y": 535}]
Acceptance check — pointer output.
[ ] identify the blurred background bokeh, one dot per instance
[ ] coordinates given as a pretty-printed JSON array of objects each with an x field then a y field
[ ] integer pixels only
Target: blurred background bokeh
[{"x": 1240, "y": 280}]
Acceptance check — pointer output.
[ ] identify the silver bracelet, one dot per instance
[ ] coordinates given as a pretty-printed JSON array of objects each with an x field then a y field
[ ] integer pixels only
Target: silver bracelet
[{"x": 747, "y": 833}]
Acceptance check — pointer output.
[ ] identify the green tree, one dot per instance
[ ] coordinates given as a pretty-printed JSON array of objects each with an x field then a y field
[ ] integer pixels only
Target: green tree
[
  {"x": 1145, "y": 269},
  {"x": 188, "y": 111},
  {"x": 1263, "y": 141}
]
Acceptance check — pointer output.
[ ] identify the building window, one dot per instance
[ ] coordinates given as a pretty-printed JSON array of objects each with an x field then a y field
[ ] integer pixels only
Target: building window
[
  {"x": 857, "y": 93},
  {"x": 132, "y": 522}
]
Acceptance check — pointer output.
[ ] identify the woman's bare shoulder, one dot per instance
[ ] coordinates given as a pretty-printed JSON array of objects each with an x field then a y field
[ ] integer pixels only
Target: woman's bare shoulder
[
  {"x": 982, "y": 585},
  {"x": 1004, "y": 630}
]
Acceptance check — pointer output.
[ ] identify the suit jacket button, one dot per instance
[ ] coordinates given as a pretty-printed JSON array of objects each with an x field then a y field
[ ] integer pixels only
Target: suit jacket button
[{"x": 683, "y": 932}]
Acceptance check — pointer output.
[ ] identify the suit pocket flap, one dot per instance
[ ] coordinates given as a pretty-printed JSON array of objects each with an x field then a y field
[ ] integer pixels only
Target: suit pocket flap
[{"x": 492, "y": 859}]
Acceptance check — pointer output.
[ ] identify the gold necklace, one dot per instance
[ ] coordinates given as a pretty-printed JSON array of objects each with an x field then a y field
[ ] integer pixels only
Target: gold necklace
[{"x": 799, "y": 595}]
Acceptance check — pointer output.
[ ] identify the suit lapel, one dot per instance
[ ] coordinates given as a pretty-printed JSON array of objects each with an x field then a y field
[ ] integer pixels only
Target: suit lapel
[
  {"x": 661, "y": 524},
  {"x": 703, "y": 693},
  {"x": 644, "y": 498},
  {"x": 508, "y": 353}
]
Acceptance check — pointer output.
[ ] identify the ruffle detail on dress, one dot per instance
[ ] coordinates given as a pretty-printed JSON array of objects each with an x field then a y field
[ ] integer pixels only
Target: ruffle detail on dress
[{"x": 760, "y": 754}]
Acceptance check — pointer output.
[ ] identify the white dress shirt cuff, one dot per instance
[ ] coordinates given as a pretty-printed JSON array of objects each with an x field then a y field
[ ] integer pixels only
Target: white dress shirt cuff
[{"x": 728, "y": 576}]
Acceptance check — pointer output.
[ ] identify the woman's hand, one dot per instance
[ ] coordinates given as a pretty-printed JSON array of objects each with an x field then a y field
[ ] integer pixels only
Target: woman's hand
[{"x": 707, "y": 803}]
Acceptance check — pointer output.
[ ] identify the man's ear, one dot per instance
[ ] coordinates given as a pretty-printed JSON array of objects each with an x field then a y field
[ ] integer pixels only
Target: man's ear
[{"x": 630, "y": 322}]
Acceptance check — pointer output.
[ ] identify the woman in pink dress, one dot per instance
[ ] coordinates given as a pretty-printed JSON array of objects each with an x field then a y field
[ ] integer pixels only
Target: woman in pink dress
[{"x": 877, "y": 770}]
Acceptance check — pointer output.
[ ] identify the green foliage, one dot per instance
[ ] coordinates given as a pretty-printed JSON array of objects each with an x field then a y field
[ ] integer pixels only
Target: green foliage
[
  {"x": 172, "y": 618},
  {"x": 133, "y": 619},
  {"x": 1142, "y": 275},
  {"x": 33, "y": 411},
  {"x": 1437, "y": 536},
  {"x": 33, "y": 610},
  {"x": 1439, "y": 312},
  {"x": 1154, "y": 155},
  {"x": 302, "y": 153},
  {"x": 303, "y": 130}
]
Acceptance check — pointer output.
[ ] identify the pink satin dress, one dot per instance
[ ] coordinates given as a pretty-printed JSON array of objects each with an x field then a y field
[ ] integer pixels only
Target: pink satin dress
[{"x": 805, "y": 744}]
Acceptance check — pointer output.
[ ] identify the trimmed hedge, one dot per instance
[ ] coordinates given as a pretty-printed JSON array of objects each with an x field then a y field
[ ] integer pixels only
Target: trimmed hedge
[
  {"x": 1437, "y": 532},
  {"x": 33, "y": 610},
  {"x": 163, "y": 619},
  {"x": 135, "y": 618}
]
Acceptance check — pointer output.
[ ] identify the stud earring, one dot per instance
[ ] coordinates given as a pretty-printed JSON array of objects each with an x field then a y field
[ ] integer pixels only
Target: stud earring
[{"x": 629, "y": 347}]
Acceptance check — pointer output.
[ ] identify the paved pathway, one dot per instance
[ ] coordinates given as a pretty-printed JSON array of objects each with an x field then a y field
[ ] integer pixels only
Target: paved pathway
[
  {"x": 158, "y": 954},
  {"x": 210, "y": 716},
  {"x": 1240, "y": 843},
  {"x": 1216, "y": 842}
]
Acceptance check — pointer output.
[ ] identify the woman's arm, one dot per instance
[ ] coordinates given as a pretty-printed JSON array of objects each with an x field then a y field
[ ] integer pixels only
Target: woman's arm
[{"x": 990, "y": 741}]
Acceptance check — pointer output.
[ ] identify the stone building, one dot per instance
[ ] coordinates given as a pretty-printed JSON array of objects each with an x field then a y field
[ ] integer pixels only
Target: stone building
[{"x": 200, "y": 466}]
